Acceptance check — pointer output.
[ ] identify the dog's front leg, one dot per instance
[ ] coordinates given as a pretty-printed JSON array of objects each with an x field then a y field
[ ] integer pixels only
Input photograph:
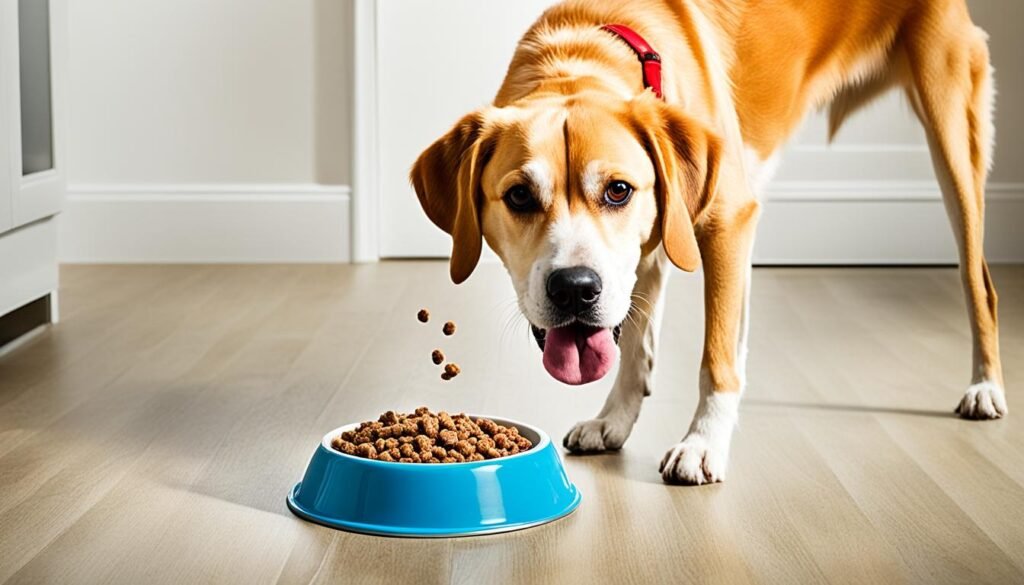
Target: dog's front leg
[
  {"x": 703, "y": 454},
  {"x": 610, "y": 429}
]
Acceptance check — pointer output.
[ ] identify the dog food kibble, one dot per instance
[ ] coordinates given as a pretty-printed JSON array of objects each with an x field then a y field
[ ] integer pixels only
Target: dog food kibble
[
  {"x": 423, "y": 315},
  {"x": 437, "y": 357},
  {"x": 445, "y": 421},
  {"x": 449, "y": 328},
  {"x": 425, "y": 437},
  {"x": 430, "y": 427},
  {"x": 446, "y": 376},
  {"x": 452, "y": 370},
  {"x": 367, "y": 451},
  {"x": 449, "y": 438}
]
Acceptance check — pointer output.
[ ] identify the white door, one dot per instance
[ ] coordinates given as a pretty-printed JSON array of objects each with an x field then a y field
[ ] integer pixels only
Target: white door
[
  {"x": 436, "y": 61},
  {"x": 870, "y": 197}
]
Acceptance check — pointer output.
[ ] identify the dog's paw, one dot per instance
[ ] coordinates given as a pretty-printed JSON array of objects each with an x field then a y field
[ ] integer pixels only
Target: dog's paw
[
  {"x": 694, "y": 461},
  {"x": 597, "y": 435},
  {"x": 983, "y": 401},
  {"x": 703, "y": 454}
]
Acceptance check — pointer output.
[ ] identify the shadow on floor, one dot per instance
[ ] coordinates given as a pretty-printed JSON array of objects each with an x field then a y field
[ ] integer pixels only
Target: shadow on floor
[
  {"x": 636, "y": 467},
  {"x": 850, "y": 408}
]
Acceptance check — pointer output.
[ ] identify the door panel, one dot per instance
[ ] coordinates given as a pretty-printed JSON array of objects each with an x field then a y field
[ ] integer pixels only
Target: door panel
[
  {"x": 35, "y": 99},
  {"x": 436, "y": 61}
]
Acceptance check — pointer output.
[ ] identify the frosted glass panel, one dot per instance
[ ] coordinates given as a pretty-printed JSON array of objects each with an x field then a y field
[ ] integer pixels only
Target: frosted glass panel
[{"x": 36, "y": 113}]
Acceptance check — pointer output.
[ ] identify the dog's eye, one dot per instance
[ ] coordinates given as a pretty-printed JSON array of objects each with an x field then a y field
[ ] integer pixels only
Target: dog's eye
[
  {"x": 618, "y": 193},
  {"x": 520, "y": 199}
]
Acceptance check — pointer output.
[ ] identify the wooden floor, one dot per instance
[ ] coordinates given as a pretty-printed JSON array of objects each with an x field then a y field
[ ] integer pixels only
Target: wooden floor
[{"x": 152, "y": 435}]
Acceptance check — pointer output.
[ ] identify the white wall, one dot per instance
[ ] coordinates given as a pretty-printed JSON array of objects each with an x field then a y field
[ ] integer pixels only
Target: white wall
[
  {"x": 219, "y": 130},
  {"x": 188, "y": 110}
]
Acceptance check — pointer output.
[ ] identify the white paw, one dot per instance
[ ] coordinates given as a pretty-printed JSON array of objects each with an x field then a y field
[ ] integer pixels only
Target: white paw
[
  {"x": 703, "y": 454},
  {"x": 983, "y": 401},
  {"x": 597, "y": 435},
  {"x": 695, "y": 461}
]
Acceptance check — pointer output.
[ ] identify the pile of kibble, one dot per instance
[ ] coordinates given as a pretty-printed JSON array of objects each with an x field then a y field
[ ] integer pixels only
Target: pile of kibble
[{"x": 425, "y": 437}]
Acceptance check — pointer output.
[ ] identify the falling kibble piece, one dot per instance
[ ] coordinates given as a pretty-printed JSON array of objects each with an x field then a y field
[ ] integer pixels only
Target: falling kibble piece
[
  {"x": 437, "y": 357},
  {"x": 452, "y": 370},
  {"x": 423, "y": 315},
  {"x": 446, "y": 376},
  {"x": 449, "y": 328}
]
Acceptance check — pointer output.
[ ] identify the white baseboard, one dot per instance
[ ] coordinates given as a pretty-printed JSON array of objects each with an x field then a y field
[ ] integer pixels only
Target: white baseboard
[
  {"x": 205, "y": 223},
  {"x": 879, "y": 223}
]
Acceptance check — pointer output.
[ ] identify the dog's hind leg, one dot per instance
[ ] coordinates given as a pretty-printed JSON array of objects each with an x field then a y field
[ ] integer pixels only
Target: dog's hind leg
[
  {"x": 612, "y": 426},
  {"x": 951, "y": 90}
]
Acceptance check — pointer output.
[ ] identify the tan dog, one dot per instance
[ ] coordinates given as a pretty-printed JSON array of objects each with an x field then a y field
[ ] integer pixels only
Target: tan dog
[{"x": 586, "y": 185}]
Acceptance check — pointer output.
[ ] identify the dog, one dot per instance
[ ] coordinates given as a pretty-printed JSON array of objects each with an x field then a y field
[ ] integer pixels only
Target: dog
[{"x": 630, "y": 135}]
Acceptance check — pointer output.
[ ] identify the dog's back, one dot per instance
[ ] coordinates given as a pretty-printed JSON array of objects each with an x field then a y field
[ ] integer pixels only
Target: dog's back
[
  {"x": 783, "y": 57},
  {"x": 793, "y": 56}
]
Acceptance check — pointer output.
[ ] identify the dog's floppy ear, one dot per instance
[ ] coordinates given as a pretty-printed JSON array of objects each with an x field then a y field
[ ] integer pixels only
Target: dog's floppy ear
[
  {"x": 447, "y": 181},
  {"x": 685, "y": 156}
]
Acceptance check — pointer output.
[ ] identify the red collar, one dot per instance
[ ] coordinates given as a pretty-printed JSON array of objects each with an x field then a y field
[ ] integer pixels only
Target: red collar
[{"x": 650, "y": 61}]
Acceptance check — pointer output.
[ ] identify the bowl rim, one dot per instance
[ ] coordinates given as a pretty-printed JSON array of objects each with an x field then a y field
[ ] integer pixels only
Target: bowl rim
[{"x": 544, "y": 441}]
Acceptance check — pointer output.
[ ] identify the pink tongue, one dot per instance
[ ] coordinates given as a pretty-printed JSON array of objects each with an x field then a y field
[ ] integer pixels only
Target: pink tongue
[{"x": 579, "y": 355}]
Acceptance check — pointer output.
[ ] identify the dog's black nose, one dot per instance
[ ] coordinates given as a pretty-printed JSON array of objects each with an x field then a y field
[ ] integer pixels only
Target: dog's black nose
[{"x": 574, "y": 290}]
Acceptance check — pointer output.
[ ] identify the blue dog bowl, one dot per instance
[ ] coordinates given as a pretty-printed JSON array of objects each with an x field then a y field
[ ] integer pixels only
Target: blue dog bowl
[{"x": 438, "y": 499}]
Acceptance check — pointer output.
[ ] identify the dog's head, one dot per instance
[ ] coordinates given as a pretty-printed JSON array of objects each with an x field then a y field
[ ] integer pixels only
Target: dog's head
[{"x": 571, "y": 193}]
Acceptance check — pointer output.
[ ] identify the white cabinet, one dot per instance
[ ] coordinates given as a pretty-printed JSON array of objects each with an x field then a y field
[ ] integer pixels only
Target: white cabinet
[{"x": 33, "y": 51}]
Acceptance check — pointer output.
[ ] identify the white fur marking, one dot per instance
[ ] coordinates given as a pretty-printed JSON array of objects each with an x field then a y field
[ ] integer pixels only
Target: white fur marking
[
  {"x": 593, "y": 179},
  {"x": 984, "y": 400},
  {"x": 759, "y": 171},
  {"x": 703, "y": 454},
  {"x": 539, "y": 173},
  {"x": 741, "y": 345},
  {"x": 573, "y": 240}
]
